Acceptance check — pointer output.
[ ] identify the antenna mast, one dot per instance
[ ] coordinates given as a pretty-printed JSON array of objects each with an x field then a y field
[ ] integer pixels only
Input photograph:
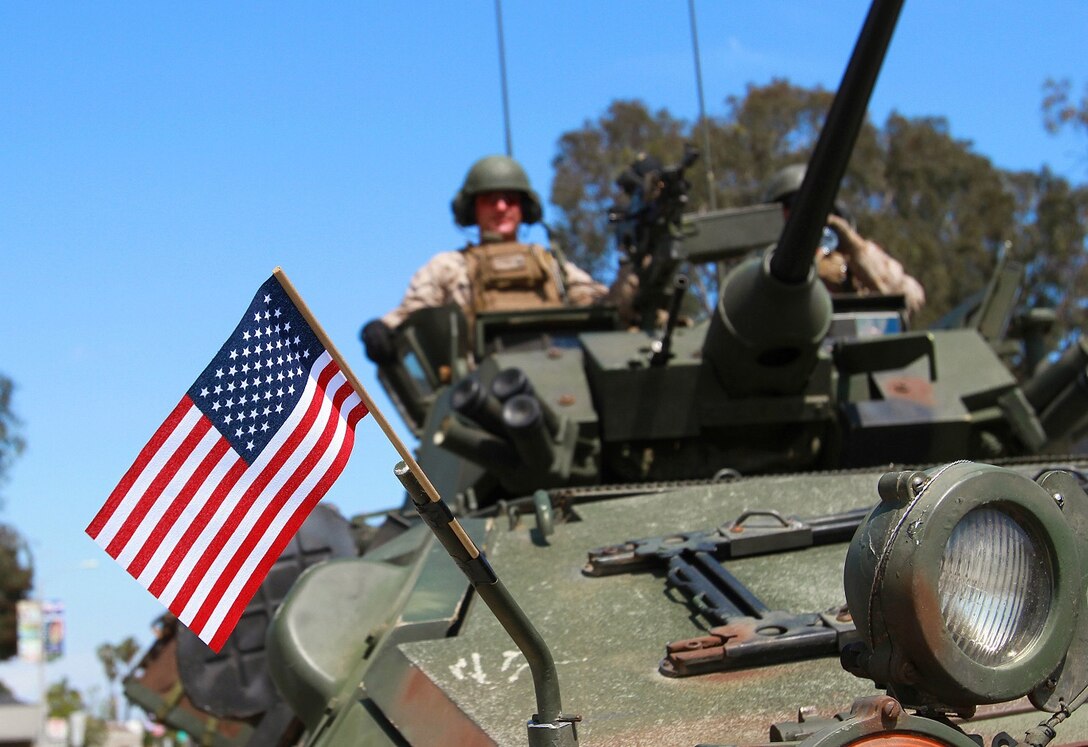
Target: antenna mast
[
  {"x": 502, "y": 76},
  {"x": 707, "y": 160}
]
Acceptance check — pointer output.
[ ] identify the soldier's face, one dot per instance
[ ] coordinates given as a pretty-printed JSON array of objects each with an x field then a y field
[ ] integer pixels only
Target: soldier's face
[{"x": 499, "y": 213}]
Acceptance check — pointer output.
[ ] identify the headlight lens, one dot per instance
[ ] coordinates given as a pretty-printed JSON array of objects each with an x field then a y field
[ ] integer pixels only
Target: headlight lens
[{"x": 995, "y": 586}]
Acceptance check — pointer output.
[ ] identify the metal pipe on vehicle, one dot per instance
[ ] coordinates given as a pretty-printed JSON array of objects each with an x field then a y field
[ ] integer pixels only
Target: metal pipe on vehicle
[{"x": 548, "y": 726}]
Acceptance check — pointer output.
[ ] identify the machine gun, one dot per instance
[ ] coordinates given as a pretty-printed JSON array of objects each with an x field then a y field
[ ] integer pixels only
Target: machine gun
[{"x": 648, "y": 229}]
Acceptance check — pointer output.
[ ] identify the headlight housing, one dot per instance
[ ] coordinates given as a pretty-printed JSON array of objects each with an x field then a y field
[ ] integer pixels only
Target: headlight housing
[{"x": 967, "y": 586}]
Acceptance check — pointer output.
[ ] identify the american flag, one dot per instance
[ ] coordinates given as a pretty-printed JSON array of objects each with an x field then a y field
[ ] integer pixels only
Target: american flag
[{"x": 227, "y": 479}]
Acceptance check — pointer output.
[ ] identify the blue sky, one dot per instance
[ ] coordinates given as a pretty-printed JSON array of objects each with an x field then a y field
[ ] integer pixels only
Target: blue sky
[{"x": 157, "y": 161}]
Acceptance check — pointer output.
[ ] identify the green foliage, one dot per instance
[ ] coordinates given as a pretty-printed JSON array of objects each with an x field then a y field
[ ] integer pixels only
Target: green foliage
[
  {"x": 1051, "y": 228},
  {"x": 1060, "y": 213},
  {"x": 15, "y": 582},
  {"x": 11, "y": 443},
  {"x": 62, "y": 699},
  {"x": 1060, "y": 111},
  {"x": 127, "y": 650},
  {"x": 946, "y": 212},
  {"x": 113, "y": 657},
  {"x": 15, "y": 576}
]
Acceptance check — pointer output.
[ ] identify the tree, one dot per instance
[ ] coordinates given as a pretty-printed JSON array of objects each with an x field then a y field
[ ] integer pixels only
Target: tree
[
  {"x": 11, "y": 442},
  {"x": 62, "y": 700},
  {"x": 15, "y": 581},
  {"x": 113, "y": 657},
  {"x": 1060, "y": 111},
  {"x": 107, "y": 655},
  {"x": 126, "y": 651},
  {"x": 1061, "y": 214},
  {"x": 15, "y": 575},
  {"x": 942, "y": 209},
  {"x": 1050, "y": 242},
  {"x": 770, "y": 127}
]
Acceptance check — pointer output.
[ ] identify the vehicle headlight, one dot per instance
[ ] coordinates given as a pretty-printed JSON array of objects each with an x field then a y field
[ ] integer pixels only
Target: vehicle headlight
[
  {"x": 995, "y": 587},
  {"x": 967, "y": 585}
]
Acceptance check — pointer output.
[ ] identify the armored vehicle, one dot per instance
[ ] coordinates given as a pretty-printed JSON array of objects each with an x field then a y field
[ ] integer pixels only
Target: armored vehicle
[{"x": 795, "y": 521}]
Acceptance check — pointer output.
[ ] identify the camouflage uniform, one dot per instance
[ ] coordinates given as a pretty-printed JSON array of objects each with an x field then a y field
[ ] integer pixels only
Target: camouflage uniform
[
  {"x": 859, "y": 265},
  {"x": 446, "y": 278}
]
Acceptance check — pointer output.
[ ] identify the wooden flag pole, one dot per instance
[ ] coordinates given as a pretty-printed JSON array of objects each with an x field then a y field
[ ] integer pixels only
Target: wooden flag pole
[
  {"x": 405, "y": 454},
  {"x": 548, "y": 725}
]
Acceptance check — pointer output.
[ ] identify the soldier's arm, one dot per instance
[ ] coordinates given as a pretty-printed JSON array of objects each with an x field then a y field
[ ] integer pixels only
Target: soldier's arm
[
  {"x": 622, "y": 293},
  {"x": 432, "y": 285},
  {"x": 874, "y": 269},
  {"x": 582, "y": 290}
]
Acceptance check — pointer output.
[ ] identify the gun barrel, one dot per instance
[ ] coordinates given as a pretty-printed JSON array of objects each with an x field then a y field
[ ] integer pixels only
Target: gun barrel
[
  {"x": 511, "y": 382},
  {"x": 476, "y": 445},
  {"x": 508, "y": 382},
  {"x": 472, "y": 400},
  {"x": 523, "y": 415},
  {"x": 792, "y": 260}
]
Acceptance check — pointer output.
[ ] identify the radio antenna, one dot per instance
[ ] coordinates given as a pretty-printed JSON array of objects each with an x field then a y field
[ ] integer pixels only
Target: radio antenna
[
  {"x": 502, "y": 77},
  {"x": 707, "y": 160}
]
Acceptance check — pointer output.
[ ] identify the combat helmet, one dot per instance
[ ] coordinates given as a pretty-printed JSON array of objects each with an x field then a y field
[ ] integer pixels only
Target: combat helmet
[
  {"x": 785, "y": 182},
  {"x": 491, "y": 174}
]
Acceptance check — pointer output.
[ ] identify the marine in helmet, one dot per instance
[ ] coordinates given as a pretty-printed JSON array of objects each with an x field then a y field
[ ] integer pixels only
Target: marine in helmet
[
  {"x": 854, "y": 264},
  {"x": 498, "y": 272}
]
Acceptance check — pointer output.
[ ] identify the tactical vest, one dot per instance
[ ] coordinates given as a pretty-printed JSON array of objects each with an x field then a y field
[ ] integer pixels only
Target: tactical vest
[{"x": 510, "y": 276}]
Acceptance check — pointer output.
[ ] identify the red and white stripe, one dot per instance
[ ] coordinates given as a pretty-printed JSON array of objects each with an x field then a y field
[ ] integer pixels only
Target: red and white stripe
[{"x": 199, "y": 528}]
